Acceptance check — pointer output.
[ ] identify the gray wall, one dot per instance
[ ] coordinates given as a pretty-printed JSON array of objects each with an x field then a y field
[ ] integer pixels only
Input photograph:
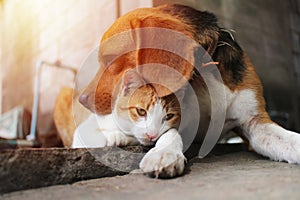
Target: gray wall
[{"x": 269, "y": 32}]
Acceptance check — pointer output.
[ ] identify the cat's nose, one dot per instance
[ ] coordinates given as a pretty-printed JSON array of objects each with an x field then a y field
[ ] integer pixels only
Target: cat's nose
[{"x": 152, "y": 136}]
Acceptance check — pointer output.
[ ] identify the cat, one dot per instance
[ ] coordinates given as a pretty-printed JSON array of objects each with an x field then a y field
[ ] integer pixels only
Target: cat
[
  {"x": 139, "y": 116},
  {"x": 143, "y": 113}
]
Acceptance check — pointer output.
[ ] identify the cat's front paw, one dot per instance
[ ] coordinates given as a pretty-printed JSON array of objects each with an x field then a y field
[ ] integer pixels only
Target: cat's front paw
[
  {"x": 163, "y": 163},
  {"x": 115, "y": 138}
]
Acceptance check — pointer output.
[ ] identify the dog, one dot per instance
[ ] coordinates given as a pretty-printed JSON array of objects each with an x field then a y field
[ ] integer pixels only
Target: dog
[{"x": 237, "y": 96}]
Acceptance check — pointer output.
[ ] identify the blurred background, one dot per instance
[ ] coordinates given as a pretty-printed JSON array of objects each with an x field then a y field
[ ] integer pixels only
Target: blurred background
[{"x": 67, "y": 31}]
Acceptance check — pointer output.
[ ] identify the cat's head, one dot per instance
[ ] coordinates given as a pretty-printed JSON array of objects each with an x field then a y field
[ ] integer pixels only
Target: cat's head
[{"x": 140, "y": 112}]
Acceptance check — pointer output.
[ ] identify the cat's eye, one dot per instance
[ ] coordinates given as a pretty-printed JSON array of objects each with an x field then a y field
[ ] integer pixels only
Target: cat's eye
[
  {"x": 169, "y": 116},
  {"x": 141, "y": 112}
]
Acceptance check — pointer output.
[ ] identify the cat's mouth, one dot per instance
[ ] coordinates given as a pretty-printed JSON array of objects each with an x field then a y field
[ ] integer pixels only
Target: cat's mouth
[
  {"x": 149, "y": 139},
  {"x": 146, "y": 141}
]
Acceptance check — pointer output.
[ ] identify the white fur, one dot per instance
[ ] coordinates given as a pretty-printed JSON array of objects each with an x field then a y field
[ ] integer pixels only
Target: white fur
[
  {"x": 100, "y": 131},
  {"x": 88, "y": 135},
  {"x": 241, "y": 105},
  {"x": 274, "y": 142},
  {"x": 166, "y": 158},
  {"x": 153, "y": 124},
  {"x": 110, "y": 130},
  {"x": 268, "y": 139}
]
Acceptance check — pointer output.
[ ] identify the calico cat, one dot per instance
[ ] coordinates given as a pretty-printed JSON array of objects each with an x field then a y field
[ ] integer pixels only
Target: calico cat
[
  {"x": 143, "y": 113},
  {"x": 140, "y": 116}
]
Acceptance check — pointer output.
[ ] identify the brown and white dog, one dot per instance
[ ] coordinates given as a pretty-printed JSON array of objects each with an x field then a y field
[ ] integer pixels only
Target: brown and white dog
[{"x": 243, "y": 93}]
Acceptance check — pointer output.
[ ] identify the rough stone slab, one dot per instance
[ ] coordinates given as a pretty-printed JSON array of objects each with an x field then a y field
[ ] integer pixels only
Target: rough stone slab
[
  {"x": 241, "y": 175},
  {"x": 32, "y": 168},
  {"x": 22, "y": 169}
]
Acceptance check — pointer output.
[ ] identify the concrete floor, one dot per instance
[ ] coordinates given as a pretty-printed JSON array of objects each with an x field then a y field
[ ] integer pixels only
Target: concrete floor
[{"x": 240, "y": 175}]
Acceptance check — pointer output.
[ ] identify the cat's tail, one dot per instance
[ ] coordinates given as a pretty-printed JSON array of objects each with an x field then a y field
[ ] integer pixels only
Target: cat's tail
[
  {"x": 65, "y": 110},
  {"x": 273, "y": 141}
]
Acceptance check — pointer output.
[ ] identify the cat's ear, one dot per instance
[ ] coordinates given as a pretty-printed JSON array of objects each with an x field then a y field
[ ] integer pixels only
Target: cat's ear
[{"x": 131, "y": 81}]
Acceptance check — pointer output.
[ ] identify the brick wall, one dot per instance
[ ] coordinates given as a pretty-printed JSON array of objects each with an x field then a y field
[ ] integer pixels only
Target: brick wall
[
  {"x": 128, "y": 5},
  {"x": 47, "y": 30},
  {"x": 50, "y": 30}
]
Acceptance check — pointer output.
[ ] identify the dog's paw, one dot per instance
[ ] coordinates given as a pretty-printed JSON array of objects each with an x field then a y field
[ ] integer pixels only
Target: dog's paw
[{"x": 163, "y": 163}]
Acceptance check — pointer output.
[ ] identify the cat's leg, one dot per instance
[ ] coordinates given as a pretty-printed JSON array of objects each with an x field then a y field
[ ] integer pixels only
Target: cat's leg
[
  {"x": 118, "y": 138},
  {"x": 166, "y": 158},
  {"x": 273, "y": 141},
  {"x": 90, "y": 134},
  {"x": 264, "y": 136}
]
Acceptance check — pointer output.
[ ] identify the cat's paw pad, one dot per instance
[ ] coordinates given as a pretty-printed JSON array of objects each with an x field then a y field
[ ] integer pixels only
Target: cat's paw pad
[{"x": 163, "y": 163}]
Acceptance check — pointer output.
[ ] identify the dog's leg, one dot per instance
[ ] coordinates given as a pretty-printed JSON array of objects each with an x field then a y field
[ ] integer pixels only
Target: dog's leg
[
  {"x": 273, "y": 141},
  {"x": 91, "y": 134},
  {"x": 166, "y": 158}
]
